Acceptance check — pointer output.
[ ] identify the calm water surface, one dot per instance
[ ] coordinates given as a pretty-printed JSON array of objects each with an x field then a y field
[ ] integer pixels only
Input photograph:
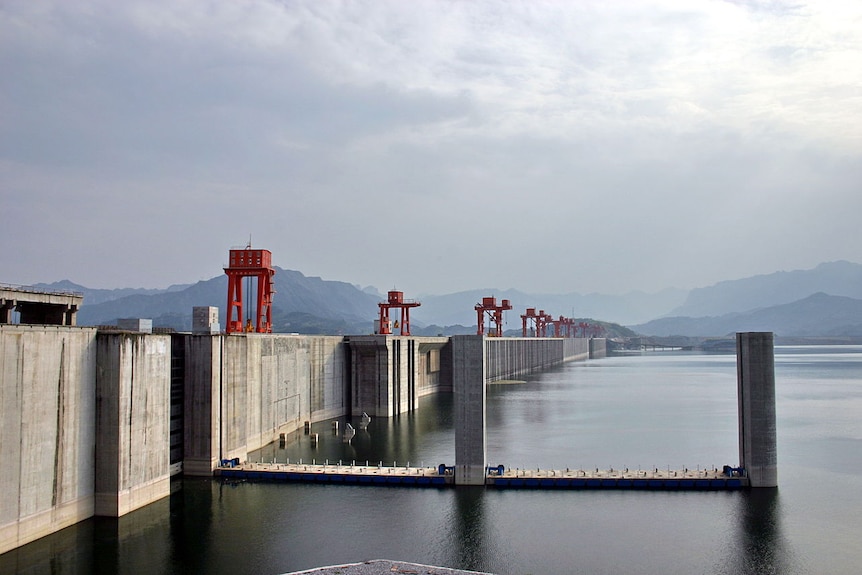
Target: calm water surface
[{"x": 654, "y": 410}]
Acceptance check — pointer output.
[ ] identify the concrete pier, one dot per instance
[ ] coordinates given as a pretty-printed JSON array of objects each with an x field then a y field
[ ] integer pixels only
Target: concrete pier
[
  {"x": 132, "y": 421},
  {"x": 758, "y": 451},
  {"x": 47, "y": 430},
  {"x": 468, "y": 380}
]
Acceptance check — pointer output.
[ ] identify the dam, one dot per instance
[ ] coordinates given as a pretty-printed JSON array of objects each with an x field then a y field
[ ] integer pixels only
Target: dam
[{"x": 95, "y": 422}]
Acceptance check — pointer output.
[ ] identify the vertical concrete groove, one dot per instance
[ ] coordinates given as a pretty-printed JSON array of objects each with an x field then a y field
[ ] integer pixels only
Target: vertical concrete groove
[
  {"x": 19, "y": 390},
  {"x": 127, "y": 462},
  {"x": 220, "y": 410},
  {"x": 58, "y": 438}
]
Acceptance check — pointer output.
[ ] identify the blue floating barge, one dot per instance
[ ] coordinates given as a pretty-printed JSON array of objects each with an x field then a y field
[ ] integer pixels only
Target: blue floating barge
[
  {"x": 338, "y": 474},
  {"x": 498, "y": 477}
]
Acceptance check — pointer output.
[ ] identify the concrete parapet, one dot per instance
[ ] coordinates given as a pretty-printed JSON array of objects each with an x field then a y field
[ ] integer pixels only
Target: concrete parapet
[
  {"x": 758, "y": 449},
  {"x": 47, "y": 406}
]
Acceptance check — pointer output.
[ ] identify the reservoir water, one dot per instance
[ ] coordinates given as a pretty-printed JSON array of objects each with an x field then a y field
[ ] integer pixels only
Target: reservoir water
[{"x": 644, "y": 411}]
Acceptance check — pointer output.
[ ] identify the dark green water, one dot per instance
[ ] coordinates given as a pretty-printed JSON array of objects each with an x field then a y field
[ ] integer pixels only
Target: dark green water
[{"x": 654, "y": 410}]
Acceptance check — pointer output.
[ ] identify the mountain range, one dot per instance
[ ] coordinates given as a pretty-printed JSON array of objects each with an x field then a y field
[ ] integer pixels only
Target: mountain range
[{"x": 825, "y": 301}]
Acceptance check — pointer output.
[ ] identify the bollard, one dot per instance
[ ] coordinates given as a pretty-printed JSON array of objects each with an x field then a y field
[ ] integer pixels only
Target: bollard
[{"x": 307, "y": 427}]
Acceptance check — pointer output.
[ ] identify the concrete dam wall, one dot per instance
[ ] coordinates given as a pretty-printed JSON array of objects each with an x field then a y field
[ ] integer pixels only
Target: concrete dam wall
[
  {"x": 507, "y": 358},
  {"x": 95, "y": 423},
  {"x": 241, "y": 392},
  {"x": 47, "y": 430}
]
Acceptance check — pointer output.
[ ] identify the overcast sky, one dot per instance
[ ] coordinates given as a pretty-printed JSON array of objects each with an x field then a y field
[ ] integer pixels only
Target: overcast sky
[{"x": 430, "y": 146}]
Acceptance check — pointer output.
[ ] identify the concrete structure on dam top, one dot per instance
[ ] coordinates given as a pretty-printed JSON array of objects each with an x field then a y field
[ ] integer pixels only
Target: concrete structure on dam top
[
  {"x": 96, "y": 422},
  {"x": 36, "y": 306}
]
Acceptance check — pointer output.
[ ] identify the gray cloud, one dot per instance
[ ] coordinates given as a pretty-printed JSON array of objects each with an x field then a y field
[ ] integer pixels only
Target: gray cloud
[{"x": 437, "y": 146}]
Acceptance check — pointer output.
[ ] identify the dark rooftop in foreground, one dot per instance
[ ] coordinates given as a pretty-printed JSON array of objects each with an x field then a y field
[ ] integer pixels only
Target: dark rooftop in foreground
[{"x": 384, "y": 567}]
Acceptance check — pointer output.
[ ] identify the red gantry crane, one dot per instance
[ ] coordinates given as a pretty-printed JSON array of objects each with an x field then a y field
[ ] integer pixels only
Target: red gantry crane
[
  {"x": 395, "y": 299},
  {"x": 495, "y": 313},
  {"x": 591, "y": 330},
  {"x": 249, "y": 263},
  {"x": 529, "y": 315},
  {"x": 558, "y": 326},
  {"x": 542, "y": 322}
]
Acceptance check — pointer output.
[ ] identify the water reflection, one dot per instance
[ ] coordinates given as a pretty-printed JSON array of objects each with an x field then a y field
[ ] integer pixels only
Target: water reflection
[
  {"x": 597, "y": 414},
  {"x": 67, "y": 551},
  {"x": 758, "y": 545},
  {"x": 191, "y": 519},
  {"x": 467, "y": 525},
  {"x": 425, "y": 436}
]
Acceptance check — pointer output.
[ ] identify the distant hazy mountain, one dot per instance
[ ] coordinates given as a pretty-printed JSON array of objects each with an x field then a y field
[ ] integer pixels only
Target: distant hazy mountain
[
  {"x": 839, "y": 278},
  {"x": 312, "y": 305},
  {"x": 335, "y": 305},
  {"x": 633, "y": 307},
  {"x": 342, "y": 306},
  {"x": 818, "y": 315},
  {"x": 94, "y": 296}
]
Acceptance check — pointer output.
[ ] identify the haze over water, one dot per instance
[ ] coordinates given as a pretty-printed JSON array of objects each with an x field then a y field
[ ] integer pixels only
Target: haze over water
[{"x": 653, "y": 410}]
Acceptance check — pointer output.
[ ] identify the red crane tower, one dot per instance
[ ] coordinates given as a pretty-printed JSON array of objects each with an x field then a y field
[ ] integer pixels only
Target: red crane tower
[
  {"x": 395, "y": 299},
  {"x": 495, "y": 312},
  {"x": 558, "y": 325},
  {"x": 542, "y": 321},
  {"x": 249, "y": 263},
  {"x": 569, "y": 326},
  {"x": 529, "y": 315},
  {"x": 591, "y": 330},
  {"x": 595, "y": 330}
]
